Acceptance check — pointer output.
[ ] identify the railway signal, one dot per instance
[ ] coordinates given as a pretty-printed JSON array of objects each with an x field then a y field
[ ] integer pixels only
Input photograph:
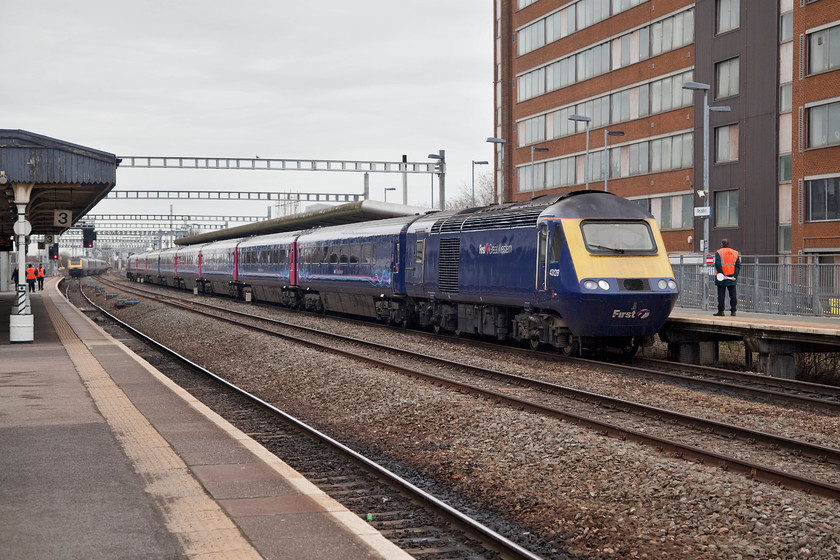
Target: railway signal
[{"x": 88, "y": 237}]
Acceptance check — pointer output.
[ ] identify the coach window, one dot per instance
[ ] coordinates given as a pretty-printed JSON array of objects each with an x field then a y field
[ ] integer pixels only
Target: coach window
[
  {"x": 366, "y": 254},
  {"x": 334, "y": 254},
  {"x": 557, "y": 243},
  {"x": 343, "y": 254},
  {"x": 354, "y": 254},
  {"x": 281, "y": 256}
]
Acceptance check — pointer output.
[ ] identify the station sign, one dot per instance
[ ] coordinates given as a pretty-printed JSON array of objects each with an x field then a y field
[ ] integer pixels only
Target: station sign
[
  {"x": 702, "y": 211},
  {"x": 63, "y": 218}
]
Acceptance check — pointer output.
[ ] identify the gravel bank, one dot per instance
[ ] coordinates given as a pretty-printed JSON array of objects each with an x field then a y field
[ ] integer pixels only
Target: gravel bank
[{"x": 595, "y": 497}]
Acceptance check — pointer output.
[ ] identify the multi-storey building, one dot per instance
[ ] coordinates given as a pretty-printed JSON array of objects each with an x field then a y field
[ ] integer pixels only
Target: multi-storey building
[{"x": 626, "y": 82}]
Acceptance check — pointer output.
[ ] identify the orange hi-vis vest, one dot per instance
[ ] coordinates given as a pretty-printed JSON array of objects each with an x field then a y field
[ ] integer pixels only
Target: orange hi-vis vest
[
  {"x": 30, "y": 273},
  {"x": 728, "y": 258},
  {"x": 41, "y": 272}
]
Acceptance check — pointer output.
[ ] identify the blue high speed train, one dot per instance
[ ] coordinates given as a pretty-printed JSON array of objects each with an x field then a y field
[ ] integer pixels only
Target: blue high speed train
[
  {"x": 82, "y": 266},
  {"x": 579, "y": 271}
]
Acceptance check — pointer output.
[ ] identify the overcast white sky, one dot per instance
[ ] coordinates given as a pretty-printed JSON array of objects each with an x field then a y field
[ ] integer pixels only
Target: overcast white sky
[{"x": 332, "y": 79}]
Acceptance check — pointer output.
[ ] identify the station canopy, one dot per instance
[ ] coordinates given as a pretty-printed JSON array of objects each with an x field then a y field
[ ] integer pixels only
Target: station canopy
[{"x": 67, "y": 180}]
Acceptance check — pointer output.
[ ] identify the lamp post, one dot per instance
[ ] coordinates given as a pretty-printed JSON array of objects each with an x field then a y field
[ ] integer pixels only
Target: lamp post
[
  {"x": 474, "y": 163},
  {"x": 441, "y": 165},
  {"x": 501, "y": 194},
  {"x": 606, "y": 157},
  {"x": 585, "y": 120},
  {"x": 697, "y": 86},
  {"x": 533, "y": 182},
  {"x": 386, "y": 192}
]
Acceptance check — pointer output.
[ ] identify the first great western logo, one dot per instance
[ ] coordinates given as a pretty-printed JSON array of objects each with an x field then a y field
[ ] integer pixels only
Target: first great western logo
[{"x": 489, "y": 249}]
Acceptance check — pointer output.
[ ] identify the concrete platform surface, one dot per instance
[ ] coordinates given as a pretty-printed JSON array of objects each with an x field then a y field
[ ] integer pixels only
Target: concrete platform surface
[{"x": 104, "y": 457}]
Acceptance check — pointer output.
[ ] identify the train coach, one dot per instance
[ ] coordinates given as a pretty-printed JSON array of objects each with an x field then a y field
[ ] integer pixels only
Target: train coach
[
  {"x": 578, "y": 271},
  {"x": 82, "y": 266}
]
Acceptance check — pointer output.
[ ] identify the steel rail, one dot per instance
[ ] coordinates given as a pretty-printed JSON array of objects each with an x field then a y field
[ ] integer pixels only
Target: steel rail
[
  {"x": 499, "y": 543},
  {"x": 687, "y": 451}
]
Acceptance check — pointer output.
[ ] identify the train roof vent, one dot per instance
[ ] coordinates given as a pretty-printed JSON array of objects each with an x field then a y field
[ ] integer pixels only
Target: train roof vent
[
  {"x": 449, "y": 269},
  {"x": 503, "y": 220},
  {"x": 449, "y": 224}
]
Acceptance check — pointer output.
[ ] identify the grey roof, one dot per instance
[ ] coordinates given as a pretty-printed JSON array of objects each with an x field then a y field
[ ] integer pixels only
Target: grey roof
[
  {"x": 352, "y": 212},
  {"x": 66, "y": 177}
]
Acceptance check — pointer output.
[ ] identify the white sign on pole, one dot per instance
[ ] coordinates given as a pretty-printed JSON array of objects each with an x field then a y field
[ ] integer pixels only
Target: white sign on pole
[
  {"x": 702, "y": 211},
  {"x": 22, "y": 228}
]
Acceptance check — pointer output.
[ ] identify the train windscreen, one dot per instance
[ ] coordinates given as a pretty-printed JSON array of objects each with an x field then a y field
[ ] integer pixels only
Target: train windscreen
[{"x": 618, "y": 237}]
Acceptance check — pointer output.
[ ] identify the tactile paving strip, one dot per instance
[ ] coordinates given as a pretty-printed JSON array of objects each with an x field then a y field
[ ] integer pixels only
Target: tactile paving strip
[{"x": 196, "y": 520}]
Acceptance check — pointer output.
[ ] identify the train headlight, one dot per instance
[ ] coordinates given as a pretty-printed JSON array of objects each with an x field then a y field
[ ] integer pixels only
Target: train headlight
[
  {"x": 604, "y": 284},
  {"x": 672, "y": 284},
  {"x": 590, "y": 284},
  {"x": 662, "y": 284}
]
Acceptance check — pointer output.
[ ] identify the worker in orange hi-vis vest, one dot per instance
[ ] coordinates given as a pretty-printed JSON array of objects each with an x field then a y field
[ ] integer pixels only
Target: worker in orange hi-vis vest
[
  {"x": 41, "y": 274},
  {"x": 30, "y": 277},
  {"x": 727, "y": 267}
]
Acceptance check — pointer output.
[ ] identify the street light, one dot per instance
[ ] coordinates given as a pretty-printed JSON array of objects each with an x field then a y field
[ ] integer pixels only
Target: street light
[
  {"x": 697, "y": 86},
  {"x": 606, "y": 158},
  {"x": 533, "y": 182},
  {"x": 474, "y": 163},
  {"x": 441, "y": 156},
  {"x": 585, "y": 120},
  {"x": 501, "y": 194},
  {"x": 386, "y": 192}
]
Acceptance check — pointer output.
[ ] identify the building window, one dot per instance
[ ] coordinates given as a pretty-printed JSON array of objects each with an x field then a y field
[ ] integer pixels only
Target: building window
[
  {"x": 824, "y": 125},
  {"x": 785, "y": 239},
  {"x": 824, "y": 50},
  {"x": 728, "y": 15},
  {"x": 687, "y": 211},
  {"x": 784, "y": 168},
  {"x": 785, "y": 98},
  {"x": 638, "y": 158},
  {"x": 823, "y": 199},
  {"x": 726, "y": 143},
  {"x": 665, "y": 213},
  {"x": 727, "y": 74},
  {"x": 644, "y": 203},
  {"x": 726, "y": 208},
  {"x": 786, "y": 28},
  {"x": 660, "y": 37}
]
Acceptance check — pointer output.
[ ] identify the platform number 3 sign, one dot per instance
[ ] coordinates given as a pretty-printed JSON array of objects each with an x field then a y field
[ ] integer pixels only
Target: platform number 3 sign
[{"x": 63, "y": 218}]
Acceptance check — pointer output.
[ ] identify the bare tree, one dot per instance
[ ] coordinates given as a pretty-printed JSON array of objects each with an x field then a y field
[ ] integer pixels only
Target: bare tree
[{"x": 485, "y": 193}]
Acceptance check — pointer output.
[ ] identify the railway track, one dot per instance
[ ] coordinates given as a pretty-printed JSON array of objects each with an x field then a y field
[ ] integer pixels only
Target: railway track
[
  {"x": 416, "y": 521},
  {"x": 769, "y": 389},
  {"x": 686, "y": 436}
]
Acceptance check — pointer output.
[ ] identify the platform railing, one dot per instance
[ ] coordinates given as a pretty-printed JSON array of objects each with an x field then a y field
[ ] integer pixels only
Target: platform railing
[{"x": 778, "y": 284}]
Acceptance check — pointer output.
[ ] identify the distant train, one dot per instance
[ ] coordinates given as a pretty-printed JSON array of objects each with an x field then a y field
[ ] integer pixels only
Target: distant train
[
  {"x": 82, "y": 266},
  {"x": 578, "y": 271}
]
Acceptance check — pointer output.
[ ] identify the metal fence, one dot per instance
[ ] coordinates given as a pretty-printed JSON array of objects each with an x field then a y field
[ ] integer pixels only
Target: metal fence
[{"x": 779, "y": 284}]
